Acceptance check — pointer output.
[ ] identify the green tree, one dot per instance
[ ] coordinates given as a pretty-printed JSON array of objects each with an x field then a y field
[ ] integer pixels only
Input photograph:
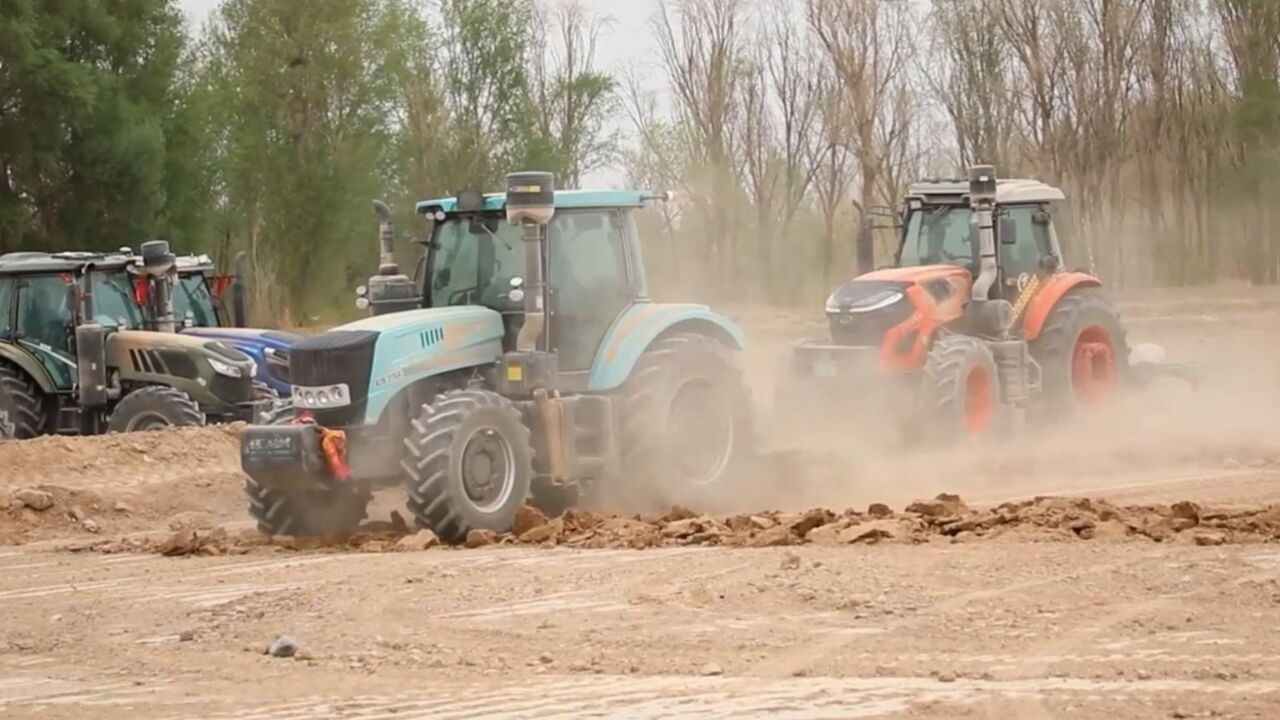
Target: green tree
[
  {"x": 308, "y": 100},
  {"x": 86, "y": 89}
]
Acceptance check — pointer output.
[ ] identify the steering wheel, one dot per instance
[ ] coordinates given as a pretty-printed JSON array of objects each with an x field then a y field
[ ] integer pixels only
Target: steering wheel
[{"x": 463, "y": 294}]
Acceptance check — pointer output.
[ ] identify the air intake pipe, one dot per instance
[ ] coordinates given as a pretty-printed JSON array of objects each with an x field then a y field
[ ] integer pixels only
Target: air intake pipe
[
  {"x": 982, "y": 198},
  {"x": 531, "y": 205},
  {"x": 160, "y": 265},
  {"x": 386, "y": 240}
]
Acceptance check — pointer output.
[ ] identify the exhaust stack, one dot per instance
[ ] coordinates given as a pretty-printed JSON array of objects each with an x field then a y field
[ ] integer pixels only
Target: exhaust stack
[
  {"x": 386, "y": 240},
  {"x": 982, "y": 198},
  {"x": 160, "y": 265},
  {"x": 531, "y": 205}
]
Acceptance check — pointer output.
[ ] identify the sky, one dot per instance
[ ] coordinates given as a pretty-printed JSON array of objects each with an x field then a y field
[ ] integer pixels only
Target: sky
[{"x": 627, "y": 42}]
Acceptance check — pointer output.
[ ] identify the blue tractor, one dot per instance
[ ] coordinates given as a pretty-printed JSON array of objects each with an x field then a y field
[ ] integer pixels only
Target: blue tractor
[
  {"x": 201, "y": 308},
  {"x": 525, "y": 363}
]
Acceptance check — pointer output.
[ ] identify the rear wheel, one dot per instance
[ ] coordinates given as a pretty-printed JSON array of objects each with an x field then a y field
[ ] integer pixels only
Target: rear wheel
[
  {"x": 468, "y": 464},
  {"x": 1082, "y": 351},
  {"x": 154, "y": 408},
  {"x": 21, "y": 406},
  {"x": 961, "y": 387},
  {"x": 687, "y": 431}
]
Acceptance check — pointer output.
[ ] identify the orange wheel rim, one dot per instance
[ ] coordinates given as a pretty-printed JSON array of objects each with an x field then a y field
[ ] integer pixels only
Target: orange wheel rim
[
  {"x": 977, "y": 400},
  {"x": 1093, "y": 365}
]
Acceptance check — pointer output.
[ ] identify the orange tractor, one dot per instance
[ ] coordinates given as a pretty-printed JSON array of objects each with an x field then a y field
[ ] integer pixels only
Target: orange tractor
[{"x": 976, "y": 321}]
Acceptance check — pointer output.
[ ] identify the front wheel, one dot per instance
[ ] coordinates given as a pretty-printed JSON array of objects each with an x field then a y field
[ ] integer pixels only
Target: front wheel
[
  {"x": 154, "y": 408},
  {"x": 961, "y": 392},
  {"x": 21, "y": 405},
  {"x": 687, "y": 431},
  {"x": 332, "y": 511},
  {"x": 468, "y": 464}
]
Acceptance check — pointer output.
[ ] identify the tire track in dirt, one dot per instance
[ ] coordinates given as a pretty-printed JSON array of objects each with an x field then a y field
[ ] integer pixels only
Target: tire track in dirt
[{"x": 1038, "y": 658}]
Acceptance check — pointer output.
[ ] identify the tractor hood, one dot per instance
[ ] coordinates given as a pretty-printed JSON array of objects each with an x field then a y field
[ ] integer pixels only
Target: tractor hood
[
  {"x": 377, "y": 357},
  {"x": 886, "y": 288},
  {"x": 887, "y": 307},
  {"x": 217, "y": 376},
  {"x": 246, "y": 336}
]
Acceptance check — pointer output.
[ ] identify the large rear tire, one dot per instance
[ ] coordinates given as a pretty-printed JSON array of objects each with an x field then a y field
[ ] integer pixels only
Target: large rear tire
[
  {"x": 961, "y": 392},
  {"x": 1082, "y": 351},
  {"x": 154, "y": 407},
  {"x": 21, "y": 406},
  {"x": 468, "y": 464},
  {"x": 687, "y": 433}
]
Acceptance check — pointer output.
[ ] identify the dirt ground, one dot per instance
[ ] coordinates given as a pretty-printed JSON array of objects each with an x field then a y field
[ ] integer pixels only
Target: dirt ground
[{"x": 1123, "y": 564}]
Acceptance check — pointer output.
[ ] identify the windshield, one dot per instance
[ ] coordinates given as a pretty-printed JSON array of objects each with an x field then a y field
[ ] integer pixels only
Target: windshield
[
  {"x": 474, "y": 261},
  {"x": 192, "y": 295},
  {"x": 940, "y": 235},
  {"x": 113, "y": 303}
]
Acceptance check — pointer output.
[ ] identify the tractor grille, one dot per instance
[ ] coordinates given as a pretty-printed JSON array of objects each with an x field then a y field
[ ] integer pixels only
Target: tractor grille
[
  {"x": 338, "y": 356},
  {"x": 867, "y": 328},
  {"x": 232, "y": 391},
  {"x": 278, "y": 364}
]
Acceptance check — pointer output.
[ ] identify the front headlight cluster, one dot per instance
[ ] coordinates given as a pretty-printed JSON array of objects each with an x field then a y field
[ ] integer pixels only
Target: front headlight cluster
[
  {"x": 226, "y": 369},
  {"x": 874, "y": 301},
  {"x": 313, "y": 398}
]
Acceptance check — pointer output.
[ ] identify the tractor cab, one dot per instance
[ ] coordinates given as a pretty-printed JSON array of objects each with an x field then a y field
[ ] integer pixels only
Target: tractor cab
[{"x": 940, "y": 227}]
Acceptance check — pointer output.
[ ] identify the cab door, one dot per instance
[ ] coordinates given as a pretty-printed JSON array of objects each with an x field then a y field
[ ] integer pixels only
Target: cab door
[
  {"x": 589, "y": 282},
  {"x": 43, "y": 324}
]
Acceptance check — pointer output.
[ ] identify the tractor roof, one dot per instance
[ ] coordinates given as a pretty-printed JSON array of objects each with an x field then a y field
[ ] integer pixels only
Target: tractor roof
[
  {"x": 1008, "y": 191},
  {"x": 25, "y": 263},
  {"x": 565, "y": 199},
  {"x": 190, "y": 264}
]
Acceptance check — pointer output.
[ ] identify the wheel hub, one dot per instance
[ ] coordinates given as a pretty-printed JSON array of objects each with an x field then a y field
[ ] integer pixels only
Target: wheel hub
[
  {"x": 488, "y": 468},
  {"x": 700, "y": 424},
  {"x": 1093, "y": 365}
]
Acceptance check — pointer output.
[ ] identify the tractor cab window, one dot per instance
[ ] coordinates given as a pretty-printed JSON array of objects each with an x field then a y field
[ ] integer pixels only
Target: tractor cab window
[
  {"x": 113, "y": 302},
  {"x": 587, "y": 272},
  {"x": 474, "y": 261},
  {"x": 940, "y": 235},
  {"x": 191, "y": 295},
  {"x": 44, "y": 323},
  {"x": 1022, "y": 240}
]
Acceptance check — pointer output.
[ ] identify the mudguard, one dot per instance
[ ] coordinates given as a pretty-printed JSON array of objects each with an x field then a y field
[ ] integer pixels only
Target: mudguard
[
  {"x": 1047, "y": 296},
  {"x": 417, "y": 344},
  {"x": 639, "y": 325},
  {"x": 29, "y": 365}
]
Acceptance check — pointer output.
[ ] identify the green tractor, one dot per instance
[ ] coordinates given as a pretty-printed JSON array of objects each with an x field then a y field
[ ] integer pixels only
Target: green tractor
[
  {"x": 526, "y": 364},
  {"x": 75, "y": 357}
]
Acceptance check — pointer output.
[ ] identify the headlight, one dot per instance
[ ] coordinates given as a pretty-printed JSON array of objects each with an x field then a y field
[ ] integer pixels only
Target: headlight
[
  {"x": 874, "y": 301},
  {"x": 226, "y": 369},
  {"x": 330, "y": 396}
]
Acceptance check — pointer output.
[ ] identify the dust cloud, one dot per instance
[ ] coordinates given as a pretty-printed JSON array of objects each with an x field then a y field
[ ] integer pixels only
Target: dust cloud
[{"x": 845, "y": 449}]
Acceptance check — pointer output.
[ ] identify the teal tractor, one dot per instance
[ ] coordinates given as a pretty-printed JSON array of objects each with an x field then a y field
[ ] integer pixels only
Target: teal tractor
[{"x": 524, "y": 364}]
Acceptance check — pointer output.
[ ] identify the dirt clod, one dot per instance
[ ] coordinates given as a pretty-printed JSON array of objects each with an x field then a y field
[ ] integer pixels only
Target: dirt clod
[
  {"x": 480, "y": 538},
  {"x": 420, "y": 540},
  {"x": 527, "y": 518},
  {"x": 37, "y": 500}
]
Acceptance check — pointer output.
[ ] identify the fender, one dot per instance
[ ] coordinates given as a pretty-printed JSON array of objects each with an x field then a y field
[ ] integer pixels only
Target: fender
[
  {"x": 416, "y": 344},
  {"x": 1046, "y": 299},
  {"x": 642, "y": 323},
  {"x": 30, "y": 366}
]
